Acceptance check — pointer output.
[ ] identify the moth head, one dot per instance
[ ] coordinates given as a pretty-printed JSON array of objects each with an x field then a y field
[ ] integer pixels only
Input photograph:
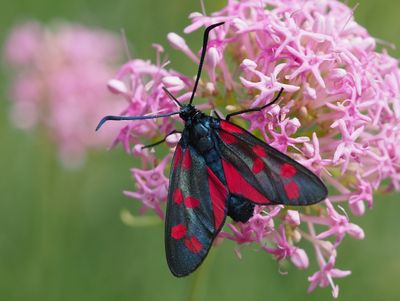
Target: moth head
[{"x": 188, "y": 112}]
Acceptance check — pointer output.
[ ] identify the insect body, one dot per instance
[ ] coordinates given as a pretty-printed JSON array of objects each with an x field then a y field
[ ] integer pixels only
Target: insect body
[{"x": 219, "y": 169}]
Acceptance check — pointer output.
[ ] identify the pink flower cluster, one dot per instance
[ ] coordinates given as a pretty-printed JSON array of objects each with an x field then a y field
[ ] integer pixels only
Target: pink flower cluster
[
  {"x": 59, "y": 83},
  {"x": 339, "y": 116}
]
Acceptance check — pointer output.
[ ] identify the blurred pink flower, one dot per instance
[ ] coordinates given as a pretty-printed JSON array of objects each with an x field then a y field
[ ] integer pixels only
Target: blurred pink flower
[
  {"x": 339, "y": 114},
  {"x": 59, "y": 83}
]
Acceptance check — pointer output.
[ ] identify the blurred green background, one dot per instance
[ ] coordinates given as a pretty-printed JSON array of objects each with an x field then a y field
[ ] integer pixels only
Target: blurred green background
[{"x": 61, "y": 237}]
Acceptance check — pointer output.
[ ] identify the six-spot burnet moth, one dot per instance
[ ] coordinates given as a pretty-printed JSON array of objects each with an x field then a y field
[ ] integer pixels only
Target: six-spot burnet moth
[{"x": 220, "y": 169}]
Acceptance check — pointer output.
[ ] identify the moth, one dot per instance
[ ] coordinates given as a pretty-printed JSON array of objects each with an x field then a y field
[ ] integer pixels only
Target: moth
[{"x": 219, "y": 169}]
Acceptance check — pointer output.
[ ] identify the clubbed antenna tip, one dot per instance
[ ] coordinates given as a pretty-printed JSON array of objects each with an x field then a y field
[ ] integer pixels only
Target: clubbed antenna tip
[
  {"x": 111, "y": 117},
  {"x": 102, "y": 121}
]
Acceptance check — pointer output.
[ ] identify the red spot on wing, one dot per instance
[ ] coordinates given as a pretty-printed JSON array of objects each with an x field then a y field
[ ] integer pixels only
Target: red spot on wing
[
  {"x": 238, "y": 185},
  {"x": 178, "y": 231},
  {"x": 177, "y": 156},
  {"x": 288, "y": 170},
  {"x": 191, "y": 202},
  {"x": 177, "y": 196},
  {"x": 292, "y": 190},
  {"x": 187, "y": 160},
  {"x": 259, "y": 150},
  {"x": 218, "y": 195},
  {"x": 228, "y": 139},
  {"x": 230, "y": 127},
  {"x": 258, "y": 165},
  {"x": 193, "y": 244}
]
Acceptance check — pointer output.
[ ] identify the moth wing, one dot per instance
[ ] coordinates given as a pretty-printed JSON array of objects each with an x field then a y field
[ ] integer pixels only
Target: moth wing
[
  {"x": 196, "y": 211},
  {"x": 260, "y": 173}
]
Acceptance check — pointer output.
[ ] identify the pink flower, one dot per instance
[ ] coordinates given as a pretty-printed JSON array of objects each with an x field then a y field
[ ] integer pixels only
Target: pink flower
[
  {"x": 285, "y": 249},
  {"x": 338, "y": 116},
  {"x": 59, "y": 83},
  {"x": 152, "y": 187},
  {"x": 145, "y": 96},
  {"x": 325, "y": 276}
]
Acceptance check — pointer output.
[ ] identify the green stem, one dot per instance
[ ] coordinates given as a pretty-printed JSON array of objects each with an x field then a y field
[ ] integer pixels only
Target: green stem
[
  {"x": 139, "y": 221},
  {"x": 198, "y": 287}
]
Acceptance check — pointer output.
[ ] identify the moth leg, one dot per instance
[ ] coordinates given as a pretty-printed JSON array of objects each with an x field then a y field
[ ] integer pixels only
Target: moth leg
[
  {"x": 255, "y": 109},
  {"x": 213, "y": 112},
  {"x": 163, "y": 140}
]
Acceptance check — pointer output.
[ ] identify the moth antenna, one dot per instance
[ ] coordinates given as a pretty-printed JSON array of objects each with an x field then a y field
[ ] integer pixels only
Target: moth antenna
[
  {"x": 172, "y": 97},
  {"x": 203, "y": 54},
  {"x": 111, "y": 117}
]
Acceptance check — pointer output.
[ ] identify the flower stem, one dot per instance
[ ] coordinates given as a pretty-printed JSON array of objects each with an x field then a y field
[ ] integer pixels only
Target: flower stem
[
  {"x": 139, "y": 221},
  {"x": 198, "y": 287}
]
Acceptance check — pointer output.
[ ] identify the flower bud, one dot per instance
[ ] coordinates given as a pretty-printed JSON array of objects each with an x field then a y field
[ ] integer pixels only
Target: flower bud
[
  {"x": 117, "y": 87},
  {"x": 177, "y": 41},
  {"x": 300, "y": 259},
  {"x": 293, "y": 217}
]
